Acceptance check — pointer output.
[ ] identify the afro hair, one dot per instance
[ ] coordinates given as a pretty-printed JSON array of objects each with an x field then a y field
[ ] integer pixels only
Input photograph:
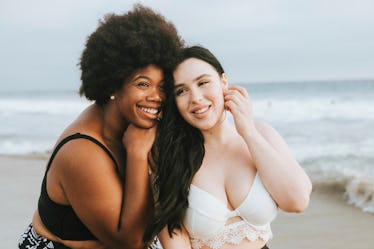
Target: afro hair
[{"x": 123, "y": 44}]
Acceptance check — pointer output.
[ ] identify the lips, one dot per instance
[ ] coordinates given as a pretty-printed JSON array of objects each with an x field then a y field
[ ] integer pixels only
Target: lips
[
  {"x": 200, "y": 111},
  {"x": 151, "y": 112}
]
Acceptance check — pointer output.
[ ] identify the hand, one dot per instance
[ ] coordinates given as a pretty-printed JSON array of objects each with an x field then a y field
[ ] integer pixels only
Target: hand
[
  {"x": 237, "y": 102},
  {"x": 138, "y": 140}
]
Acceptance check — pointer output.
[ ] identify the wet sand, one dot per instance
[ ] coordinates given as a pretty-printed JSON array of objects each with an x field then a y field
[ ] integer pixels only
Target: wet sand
[{"x": 328, "y": 223}]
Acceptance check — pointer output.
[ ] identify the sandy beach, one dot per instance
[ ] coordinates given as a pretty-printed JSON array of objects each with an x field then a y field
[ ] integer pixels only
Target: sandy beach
[{"x": 328, "y": 222}]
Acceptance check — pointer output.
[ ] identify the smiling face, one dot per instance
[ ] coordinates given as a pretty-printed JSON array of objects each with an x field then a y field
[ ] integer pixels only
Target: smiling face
[
  {"x": 199, "y": 93},
  {"x": 139, "y": 101}
]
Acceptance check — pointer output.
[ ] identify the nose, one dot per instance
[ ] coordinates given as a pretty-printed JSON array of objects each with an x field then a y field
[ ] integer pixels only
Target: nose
[
  {"x": 196, "y": 96},
  {"x": 156, "y": 95}
]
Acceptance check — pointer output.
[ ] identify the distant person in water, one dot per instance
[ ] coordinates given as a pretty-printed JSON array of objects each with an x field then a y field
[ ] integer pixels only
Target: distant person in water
[
  {"x": 219, "y": 184},
  {"x": 96, "y": 191}
]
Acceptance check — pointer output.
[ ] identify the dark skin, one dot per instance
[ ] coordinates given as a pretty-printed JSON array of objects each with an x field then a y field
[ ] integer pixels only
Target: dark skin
[{"x": 83, "y": 175}]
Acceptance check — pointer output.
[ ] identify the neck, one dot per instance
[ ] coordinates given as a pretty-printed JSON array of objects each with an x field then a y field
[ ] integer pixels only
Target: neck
[
  {"x": 219, "y": 134},
  {"x": 114, "y": 125}
]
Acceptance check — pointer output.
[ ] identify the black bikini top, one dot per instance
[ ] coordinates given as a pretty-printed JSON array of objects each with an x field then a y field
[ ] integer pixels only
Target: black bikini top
[{"x": 61, "y": 219}]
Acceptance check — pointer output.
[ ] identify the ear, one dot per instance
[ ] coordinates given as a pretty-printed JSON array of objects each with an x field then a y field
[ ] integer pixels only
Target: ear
[{"x": 224, "y": 81}]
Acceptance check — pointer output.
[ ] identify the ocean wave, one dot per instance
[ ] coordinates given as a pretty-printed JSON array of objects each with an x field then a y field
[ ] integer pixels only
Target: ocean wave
[
  {"x": 42, "y": 106},
  {"x": 360, "y": 192},
  {"x": 311, "y": 109},
  {"x": 361, "y": 162},
  {"x": 357, "y": 189},
  {"x": 23, "y": 147},
  {"x": 270, "y": 108}
]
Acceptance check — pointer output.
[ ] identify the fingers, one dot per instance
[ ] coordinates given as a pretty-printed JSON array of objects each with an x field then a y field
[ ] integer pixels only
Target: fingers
[
  {"x": 236, "y": 94},
  {"x": 237, "y": 100},
  {"x": 241, "y": 90},
  {"x": 233, "y": 95}
]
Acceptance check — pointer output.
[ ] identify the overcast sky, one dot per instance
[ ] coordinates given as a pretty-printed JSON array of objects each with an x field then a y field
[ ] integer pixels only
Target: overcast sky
[{"x": 256, "y": 41}]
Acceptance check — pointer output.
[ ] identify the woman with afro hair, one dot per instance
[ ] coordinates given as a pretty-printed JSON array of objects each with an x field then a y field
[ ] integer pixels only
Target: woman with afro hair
[{"x": 96, "y": 191}]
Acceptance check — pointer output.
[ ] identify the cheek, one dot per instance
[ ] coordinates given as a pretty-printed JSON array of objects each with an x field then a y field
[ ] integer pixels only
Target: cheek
[
  {"x": 128, "y": 102},
  {"x": 125, "y": 108},
  {"x": 182, "y": 105},
  {"x": 218, "y": 97},
  {"x": 220, "y": 105}
]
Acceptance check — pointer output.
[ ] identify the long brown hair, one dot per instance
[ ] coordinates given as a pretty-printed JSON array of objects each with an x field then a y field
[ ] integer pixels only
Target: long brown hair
[{"x": 180, "y": 152}]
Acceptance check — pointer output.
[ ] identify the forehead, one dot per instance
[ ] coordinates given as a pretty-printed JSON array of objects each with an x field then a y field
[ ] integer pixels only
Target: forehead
[
  {"x": 151, "y": 72},
  {"x": 191, "y": 68}
]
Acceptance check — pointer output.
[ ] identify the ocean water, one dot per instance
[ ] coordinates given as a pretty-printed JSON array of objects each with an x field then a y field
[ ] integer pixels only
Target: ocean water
[{"x": 329, "y": 127}]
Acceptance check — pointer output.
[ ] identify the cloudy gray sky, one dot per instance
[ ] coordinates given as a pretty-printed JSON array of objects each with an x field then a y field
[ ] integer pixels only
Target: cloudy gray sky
[{"x": 256, "y": 40}]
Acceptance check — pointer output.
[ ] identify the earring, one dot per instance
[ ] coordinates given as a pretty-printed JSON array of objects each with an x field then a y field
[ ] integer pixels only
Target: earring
[{"x": 112, "y": 97}]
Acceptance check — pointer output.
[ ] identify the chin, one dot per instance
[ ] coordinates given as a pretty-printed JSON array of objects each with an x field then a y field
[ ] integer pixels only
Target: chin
[
  {"x": 204, "y": 127},
  {"x": 145, "y": 124}
]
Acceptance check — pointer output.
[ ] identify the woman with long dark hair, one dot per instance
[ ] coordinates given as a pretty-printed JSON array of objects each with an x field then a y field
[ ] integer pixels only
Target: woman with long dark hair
[{"x": 219, "y": 185}]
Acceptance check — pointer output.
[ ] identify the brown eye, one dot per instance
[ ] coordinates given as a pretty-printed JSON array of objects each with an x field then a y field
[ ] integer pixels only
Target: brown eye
[
  {"x": 201, "y": 83},
  {"x": 180, "y": 91},
  {"x": 143, "y": 84}
]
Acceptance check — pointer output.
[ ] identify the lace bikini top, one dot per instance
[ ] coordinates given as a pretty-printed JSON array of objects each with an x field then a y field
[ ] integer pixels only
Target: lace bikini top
[{"x": 206, "y": 217}]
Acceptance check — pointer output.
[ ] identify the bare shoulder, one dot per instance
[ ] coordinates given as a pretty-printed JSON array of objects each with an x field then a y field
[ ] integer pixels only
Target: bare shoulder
[
  {"x": 86, "y": 172},
  {"x": 272, "y": 137},
  {"x": 83, "y": 154},
  {"x": 265, "y": 129},
  {"x": 81, "y": 161}
]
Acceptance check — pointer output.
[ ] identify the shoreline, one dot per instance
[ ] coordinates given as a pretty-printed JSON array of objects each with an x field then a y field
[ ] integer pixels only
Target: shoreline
[{"x": 329, "y": 221}]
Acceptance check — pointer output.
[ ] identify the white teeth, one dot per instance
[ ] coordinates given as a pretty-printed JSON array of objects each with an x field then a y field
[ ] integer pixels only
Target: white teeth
[
  {"x": 201, "y": 110},
  {"x": 149, "y": 110}
]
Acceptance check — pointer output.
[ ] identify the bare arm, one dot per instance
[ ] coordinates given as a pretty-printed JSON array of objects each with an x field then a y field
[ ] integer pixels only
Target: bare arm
[
  {"x": 283, "y": 177},
  {"x": 95, "y": 191},
  {"x": 179, "y": 240},
  {"x": 137, "y": 190}
]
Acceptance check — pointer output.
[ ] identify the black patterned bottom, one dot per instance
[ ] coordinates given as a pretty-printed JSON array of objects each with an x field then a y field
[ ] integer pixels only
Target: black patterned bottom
[
  {"x": 155, "y": 244},
  {"x": 31, "y": 240}
]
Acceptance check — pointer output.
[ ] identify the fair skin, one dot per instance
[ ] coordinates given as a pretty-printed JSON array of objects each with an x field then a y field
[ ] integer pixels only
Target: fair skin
[
  {"x": 234, "y": 153},
  {"x": 83, "y": 175}
]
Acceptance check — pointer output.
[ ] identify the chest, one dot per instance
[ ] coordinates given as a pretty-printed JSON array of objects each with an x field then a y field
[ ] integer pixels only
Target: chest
[
  {"x": 226, "y": 175},
  {"x": 207, "y": 216}
]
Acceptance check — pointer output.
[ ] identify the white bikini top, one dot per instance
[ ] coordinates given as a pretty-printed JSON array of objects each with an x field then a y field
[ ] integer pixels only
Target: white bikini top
[{"x": 206, "y": 217}]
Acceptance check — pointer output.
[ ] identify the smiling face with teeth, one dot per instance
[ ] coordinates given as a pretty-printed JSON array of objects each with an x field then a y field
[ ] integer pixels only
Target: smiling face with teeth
[
  {"x": 198, "y": 90},
  {"x": 139, "y": 100}
]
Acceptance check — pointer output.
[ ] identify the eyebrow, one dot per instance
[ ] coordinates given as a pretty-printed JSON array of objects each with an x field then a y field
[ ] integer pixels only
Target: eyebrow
[
  {"x": 140, "y": 77},
  {"x": 196, "y": 79}
]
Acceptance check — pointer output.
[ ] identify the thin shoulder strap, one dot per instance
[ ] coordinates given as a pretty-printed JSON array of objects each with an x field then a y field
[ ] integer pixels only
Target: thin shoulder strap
[{"x": 77, "y": 136}]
